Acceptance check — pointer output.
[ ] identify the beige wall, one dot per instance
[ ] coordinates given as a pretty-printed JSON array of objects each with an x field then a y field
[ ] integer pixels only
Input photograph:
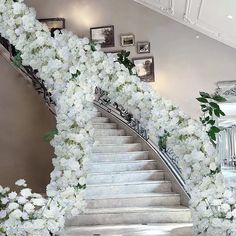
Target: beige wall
[
  {"x": 24, "y": 119},
  {"x": 184, "y": 65}
]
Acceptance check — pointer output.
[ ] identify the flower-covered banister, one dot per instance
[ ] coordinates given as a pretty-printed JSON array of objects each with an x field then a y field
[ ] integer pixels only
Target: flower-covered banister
[{"x": 71, "y": 68}]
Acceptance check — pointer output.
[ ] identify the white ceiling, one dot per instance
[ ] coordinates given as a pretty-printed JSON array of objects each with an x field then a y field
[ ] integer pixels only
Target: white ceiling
[{"x": 215, "y": 18}]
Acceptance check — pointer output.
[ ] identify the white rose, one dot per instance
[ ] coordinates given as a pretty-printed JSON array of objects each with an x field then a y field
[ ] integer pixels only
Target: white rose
[
  {"x": 16, "y": 214},
  {"x": 12, "y": 195},
  {"x": 213, "y": 166},
  {"x": 82, "y": 181},
  {"x": 22, "y": 200},
  {"x": 38, "y": 201},
  {"x": 13, "y": 206},
  {"x": 26, "y": 192},
  {"x": 28, "y": 207},
  {"x": 234, "y": 213},
  {"x": 3, "y": 214},
  {"x": 21, "y": 182}
]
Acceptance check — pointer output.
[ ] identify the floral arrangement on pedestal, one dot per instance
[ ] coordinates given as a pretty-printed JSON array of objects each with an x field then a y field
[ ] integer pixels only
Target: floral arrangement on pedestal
[{"x": 71, "y": 68}]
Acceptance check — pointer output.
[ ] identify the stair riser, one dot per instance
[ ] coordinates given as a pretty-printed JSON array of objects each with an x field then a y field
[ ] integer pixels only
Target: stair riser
[
  {"x": 119, "y": 157},
  {"x": 134, "y": 202},
  {"x": 104, "y": 125},
  {"x": 116, "y": 148},
  {"x": 114, "y": 140},
  {"x": 128, "y": 189},
  {"x": 100, "y": 120},
  {"x": 124, "y": 177},
  {"x": 108, "y": 132},
  {"x": 116, "y": 167},
  {"x": 98, "y": 114},
  {"x": 131, "y": 218}
]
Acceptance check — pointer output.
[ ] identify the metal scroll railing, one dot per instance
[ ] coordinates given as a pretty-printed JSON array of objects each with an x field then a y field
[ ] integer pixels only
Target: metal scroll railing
[
  {"x": 168, "y": 156},
  {"x": 30, "y": 73}
]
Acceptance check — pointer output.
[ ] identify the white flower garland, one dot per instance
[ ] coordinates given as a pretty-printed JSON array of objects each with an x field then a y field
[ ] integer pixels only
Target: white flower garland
[{"x": 71, "y": 68}]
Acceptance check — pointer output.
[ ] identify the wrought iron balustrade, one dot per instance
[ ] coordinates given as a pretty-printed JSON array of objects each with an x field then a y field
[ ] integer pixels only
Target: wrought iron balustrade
[
  {"x": 168, "y": 156},
  {"x": 31, "y": 74}
]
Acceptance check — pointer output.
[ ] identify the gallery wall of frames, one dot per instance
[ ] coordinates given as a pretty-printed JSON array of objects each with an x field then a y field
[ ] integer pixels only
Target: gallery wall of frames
[{"x": 105, "y": 36}]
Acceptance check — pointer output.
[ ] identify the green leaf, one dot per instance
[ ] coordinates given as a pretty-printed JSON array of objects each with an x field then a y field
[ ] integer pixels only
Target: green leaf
[
  {"x": 203, "y": 106},
  {"x": 205, "y": 95},
  {"x": 215, "y": 129},
  {"x": 203, "y": 100},
  {"x": 219, "y": 98},
  {"x": 217, "y": 113},
  {"x": 211, "y": 122},
  {"x": 205, "y": 109},
  {"x": 50, "y": 135},
  {"x": 214, "y": 105},
  {"x": 221, "y": 113},
  {"x": 17, "y": 60},
  {"x": 212, "y": 135}
]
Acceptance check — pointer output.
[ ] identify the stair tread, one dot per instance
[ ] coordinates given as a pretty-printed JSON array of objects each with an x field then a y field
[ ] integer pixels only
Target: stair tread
[
  {"x": 114, "y": 136},
  {"x": 120, "y": 153},
  {"x": 111, "y": 144},
  {"x": 118, "y": 210},
  {"x": 107, "y": 129},
  {"x": 134, "y": 195},
  {"x": 121, "y": 162},
  {"x": 130, "y": 183},
  {"x": 126, "y": 172},
  {"x": 157, "y": 229}
]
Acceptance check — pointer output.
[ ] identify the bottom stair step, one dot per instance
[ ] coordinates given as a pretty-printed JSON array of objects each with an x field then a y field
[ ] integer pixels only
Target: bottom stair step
[
  {"x": 174, "y": 229},
  {"x": 132, "y": 215}
]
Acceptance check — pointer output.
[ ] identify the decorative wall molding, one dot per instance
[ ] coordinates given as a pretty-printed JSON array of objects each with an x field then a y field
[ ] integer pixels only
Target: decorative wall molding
[{"x": 191, "y": 16}]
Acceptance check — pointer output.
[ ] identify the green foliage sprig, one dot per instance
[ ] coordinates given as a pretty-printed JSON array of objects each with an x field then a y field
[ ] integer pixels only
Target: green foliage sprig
[
  {"x": 123, "y": 58},
  {"x": 162, "y": 143},
  {"x": 211, "y": 109},
  {"x": 17, "y": 60},
  {"x": 50, "y": 135}
]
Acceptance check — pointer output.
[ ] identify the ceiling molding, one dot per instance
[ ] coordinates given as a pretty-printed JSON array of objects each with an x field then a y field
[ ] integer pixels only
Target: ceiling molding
[{"x": 191, "y": 16}]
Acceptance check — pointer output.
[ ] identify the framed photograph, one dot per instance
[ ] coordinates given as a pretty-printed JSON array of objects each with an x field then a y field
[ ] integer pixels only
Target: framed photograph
[
  {"x": 145, "y": 68},
  {"x": 143, "y": 47},
  {"x": 127, "y": 40},
  {"x": 104, "y": 35},
  {"x": 54, "y": 23}
]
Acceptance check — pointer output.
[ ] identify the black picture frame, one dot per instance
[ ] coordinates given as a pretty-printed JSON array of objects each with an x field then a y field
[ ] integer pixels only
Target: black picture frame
[
  {"x": 127, "y": 40},
  {"x": 103, "y": 35},
  {"x": 54, "y": 24},
  {"x": 145, "y": 68},
  {"x": 143, "y": 47}
]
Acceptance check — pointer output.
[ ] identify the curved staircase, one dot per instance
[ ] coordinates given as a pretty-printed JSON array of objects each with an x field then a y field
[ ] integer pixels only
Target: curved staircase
[{"x": 126, "y": 192}]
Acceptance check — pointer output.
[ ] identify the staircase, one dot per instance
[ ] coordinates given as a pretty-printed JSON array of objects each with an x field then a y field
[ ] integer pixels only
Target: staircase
[{"x": 126, "y": 192}]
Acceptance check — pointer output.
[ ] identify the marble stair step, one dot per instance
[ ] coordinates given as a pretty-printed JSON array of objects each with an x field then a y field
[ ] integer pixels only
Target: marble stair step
[
  {"x": 108, "y": 132},
  {"x": 104, "y": 125},
  {"x": 100, "y": 119},
  {"x": 109, "y": 167},
  {"x": 126, "y": 176},
  {"x": 161, "y": 186},
  {"x": 114, "y": 139},
  {"x": 161, "y": 229},
  {"x": 98, "y": 114},
  {"x": 132, "y": 215},
  {"x": 119, "y": 157},
  {"x": 108, "y": 148},
  {"x": 134, "y": 200}
]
